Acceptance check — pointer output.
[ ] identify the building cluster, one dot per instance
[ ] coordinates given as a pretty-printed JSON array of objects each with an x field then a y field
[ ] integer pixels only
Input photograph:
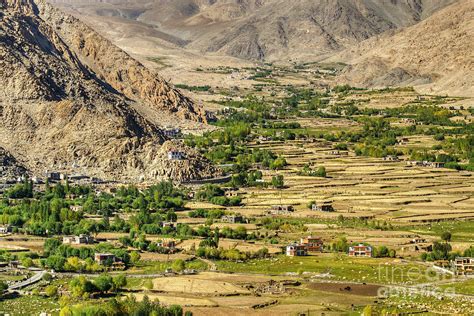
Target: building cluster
[
  {"x": 56, "y": 176},
  {"x": 81, "y": 239},
  {"x": 306, "y": 244},
  {"x": 338, "y": 153},
  {"x": 431, "y": 164}
]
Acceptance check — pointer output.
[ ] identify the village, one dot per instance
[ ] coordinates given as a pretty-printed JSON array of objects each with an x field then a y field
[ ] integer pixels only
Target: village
[{"x": 331, "y": 200}]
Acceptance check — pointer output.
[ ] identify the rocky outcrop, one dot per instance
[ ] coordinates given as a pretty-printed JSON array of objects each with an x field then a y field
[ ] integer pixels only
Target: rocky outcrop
[
  {"x": 10, "y": 168},
  {"x": 117, "y": 68},
  {"x": 68, "y": 99}
]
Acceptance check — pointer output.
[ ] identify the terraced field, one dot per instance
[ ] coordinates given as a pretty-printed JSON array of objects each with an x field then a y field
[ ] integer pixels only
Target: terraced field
[{"x": 365, "y": 187}]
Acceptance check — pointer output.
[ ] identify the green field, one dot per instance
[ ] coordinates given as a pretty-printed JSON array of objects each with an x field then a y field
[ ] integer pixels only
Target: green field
[
  {"x": 153, "y": 267},
  {"x": 339, "y": 267},
  {"x": 460, "y": 230}
]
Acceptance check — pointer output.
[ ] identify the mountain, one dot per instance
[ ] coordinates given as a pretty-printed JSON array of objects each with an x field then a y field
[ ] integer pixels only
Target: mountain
[
  {"x": 70, "y": 97},
  {"x": 436, "y": 55},
  {"x": 260, "y": 29}
]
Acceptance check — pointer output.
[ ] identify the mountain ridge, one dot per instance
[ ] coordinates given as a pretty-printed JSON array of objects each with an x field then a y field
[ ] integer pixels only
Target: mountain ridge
[
  {"x": 435, "y": 55},
  {"x": 265, "y": 29},
  {"x": 57, "y": 111}
]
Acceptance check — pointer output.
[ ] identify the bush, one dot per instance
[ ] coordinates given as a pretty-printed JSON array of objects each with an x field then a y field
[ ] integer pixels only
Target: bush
[{"x": 51, "y": 291}]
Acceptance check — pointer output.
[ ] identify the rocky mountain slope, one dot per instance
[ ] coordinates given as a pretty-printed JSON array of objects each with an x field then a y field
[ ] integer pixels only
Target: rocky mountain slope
[
  {"x": 436, "y": 55},
  {"x": 10, "y": 168},
  {"x": 261, "y": 29},
  {"x": 70, "y": 97}
]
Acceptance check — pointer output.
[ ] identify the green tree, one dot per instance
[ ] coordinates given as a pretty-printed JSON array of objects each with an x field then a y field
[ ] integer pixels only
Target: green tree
[
  {"x": 148, "y": 284},
  {"x": 104, "y": 283},
  {"x": 446, "y": 236},
  {"x": 3, "y": 286},
  {"x": 120, "y": 281},
  {"x": 278, "y": 181},
  {"x": 134, "y": 257},
  {"x": 178, "y": 265}
]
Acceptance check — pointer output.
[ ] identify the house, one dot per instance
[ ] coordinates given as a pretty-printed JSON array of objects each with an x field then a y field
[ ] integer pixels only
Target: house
[
  {"x": 312, "y": 243},
  {"x": 232, "y": 219},
  {"x": 4, "y": 229},
  {"x": 230, "y": 194},
  {"x": 105, "y": 258},
  {"x": 37, "y": 180},
  {"x": 176, "y": 155},
  {"x": 172, "y": 132},
  {"x": 436, "y": 164},
  {"x": 403, "y": 141},
  {"x": 168, "y": 224},
  {"x": 464, "y": 265},
  {"x": 391, "y": 158},
  {"x": 281, "y": 209},
  {"x": 53, "y": 176},
  {"x": 76, "y": 208},
  {"x": 408, "y": 121},
  {"x": 325, "y": 207},
  {"x": 14, "y": 264},
  {"x": 360, "y": 250},
  {"x": 169, "y": 244},
  {"x": 296, "y": 250},
  {"x": 82, "y": 239},
  {"x": 418, "y": 240},
  {"x": 414, "y": 163}
]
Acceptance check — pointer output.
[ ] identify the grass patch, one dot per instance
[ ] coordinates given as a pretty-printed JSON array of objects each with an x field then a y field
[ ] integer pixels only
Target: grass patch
[
  {"x": 460, "y": 230},
  {"x": 341, "y": 267},
  {"x": 153, "y": 267},
  {"x": 466, "y": 287},
  {"x": 29, "y": 305}
]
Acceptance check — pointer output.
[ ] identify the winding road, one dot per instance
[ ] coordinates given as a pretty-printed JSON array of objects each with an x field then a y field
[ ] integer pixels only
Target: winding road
[{"x": 35, "y": 278}]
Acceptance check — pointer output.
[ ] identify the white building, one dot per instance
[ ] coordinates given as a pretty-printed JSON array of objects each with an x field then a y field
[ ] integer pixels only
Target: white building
[{"x": 176, "y": 155}]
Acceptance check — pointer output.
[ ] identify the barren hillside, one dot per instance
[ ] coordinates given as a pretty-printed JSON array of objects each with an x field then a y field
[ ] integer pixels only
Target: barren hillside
[
  {"x": 436, "y": 55},
  {"x": 259, "y": 29},
  {"x": 70, "y": 97}
]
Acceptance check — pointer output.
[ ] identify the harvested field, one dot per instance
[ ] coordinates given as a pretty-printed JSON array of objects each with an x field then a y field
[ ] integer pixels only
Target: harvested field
[
  {"x": 177, "y": 300},
  {"x": 197, "y": 285},
  {"x": 346, "y": 288},
  {"x": 365, "y": 187}
]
